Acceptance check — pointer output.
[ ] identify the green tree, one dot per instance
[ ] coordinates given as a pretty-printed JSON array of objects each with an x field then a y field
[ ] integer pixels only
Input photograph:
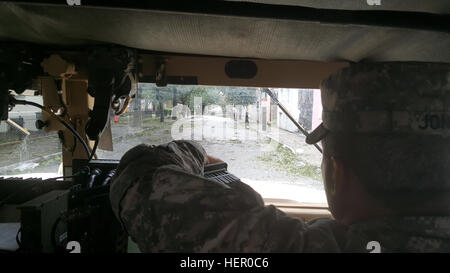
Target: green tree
[
  {"x": 150, "y": 91},
  {"x": 209, "y": 95},
  {"x": 185, "y": 94},
  {"x": 159, "y": 95},
  {"x": 240, "y": 95}
]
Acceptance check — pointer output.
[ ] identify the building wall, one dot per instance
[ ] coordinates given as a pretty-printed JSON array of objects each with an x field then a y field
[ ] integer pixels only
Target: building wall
[
  {"x": 289, "y": 99},
  {"x": 305, "y": 106},
  {"x": 302, "y": 104},
  {"x": 317, "y": 109}
]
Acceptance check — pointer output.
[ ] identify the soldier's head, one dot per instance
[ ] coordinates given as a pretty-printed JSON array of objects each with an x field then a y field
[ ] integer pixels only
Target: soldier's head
[{"x": 386, "y": 140}]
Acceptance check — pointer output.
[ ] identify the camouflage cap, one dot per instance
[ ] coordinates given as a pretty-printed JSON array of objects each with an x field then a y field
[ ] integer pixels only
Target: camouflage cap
[{"x": 390, "y": 97}]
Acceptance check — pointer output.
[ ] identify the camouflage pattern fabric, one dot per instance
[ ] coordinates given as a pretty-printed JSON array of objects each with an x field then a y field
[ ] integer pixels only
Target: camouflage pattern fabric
[
  {"x": 390, "y": 97},
  {"x": 165, "y": 205}
]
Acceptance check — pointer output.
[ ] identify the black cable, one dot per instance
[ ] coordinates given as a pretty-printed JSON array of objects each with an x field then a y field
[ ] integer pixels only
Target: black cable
[
  {"x": 94, "y": 149},
  {"x": 109, "y": 177},
  {"x": 74, "y": 141},
  {"x": 93, "y": 176},
  {"x": 75, "y": 133}
]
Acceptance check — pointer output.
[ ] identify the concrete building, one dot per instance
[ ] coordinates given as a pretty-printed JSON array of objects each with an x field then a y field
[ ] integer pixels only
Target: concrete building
[{"x": 302, "y": 104}]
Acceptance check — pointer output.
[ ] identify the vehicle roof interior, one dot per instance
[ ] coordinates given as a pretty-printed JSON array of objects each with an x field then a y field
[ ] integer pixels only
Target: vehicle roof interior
[{"x": 315, "y": 30}]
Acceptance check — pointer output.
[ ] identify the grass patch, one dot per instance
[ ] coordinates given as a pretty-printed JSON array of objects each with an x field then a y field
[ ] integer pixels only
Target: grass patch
[
  {"x": 146, "y": 121},
  {"x": 151, "y": 122},
  {"x": 284, "y": 159},
  {"x": 50, "y": 161}
]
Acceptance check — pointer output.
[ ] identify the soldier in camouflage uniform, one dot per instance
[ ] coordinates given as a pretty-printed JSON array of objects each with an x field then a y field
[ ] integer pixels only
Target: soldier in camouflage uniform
[{"x": 385, "y": 136}]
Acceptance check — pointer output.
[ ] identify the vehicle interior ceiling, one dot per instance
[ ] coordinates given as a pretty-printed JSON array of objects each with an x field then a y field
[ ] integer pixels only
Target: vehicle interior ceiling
[{"x": 294, "y": 44}]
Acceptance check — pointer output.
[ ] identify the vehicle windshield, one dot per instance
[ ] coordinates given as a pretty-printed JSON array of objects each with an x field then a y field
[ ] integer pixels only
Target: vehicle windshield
[{"x": 240, "y": 125}]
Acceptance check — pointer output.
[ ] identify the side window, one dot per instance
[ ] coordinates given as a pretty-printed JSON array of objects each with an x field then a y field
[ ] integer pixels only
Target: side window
[
  {"x": 37, "y": 154},
  {"x": 239, "y": 125}
]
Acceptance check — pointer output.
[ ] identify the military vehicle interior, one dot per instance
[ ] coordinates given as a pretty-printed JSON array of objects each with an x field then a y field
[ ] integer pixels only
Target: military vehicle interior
[{"x": 82, "y": 82}]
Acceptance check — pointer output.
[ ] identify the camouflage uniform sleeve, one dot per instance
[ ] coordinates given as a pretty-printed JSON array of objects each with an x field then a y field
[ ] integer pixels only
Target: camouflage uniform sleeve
[
  {"x": 181, "y": 212},
  {"x": 172, "y": 208},
  {"x": 143, "y": 160}
]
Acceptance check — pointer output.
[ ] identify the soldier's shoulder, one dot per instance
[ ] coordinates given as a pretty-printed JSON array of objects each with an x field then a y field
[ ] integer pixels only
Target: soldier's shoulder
[{"x": 325, "y": 235}]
